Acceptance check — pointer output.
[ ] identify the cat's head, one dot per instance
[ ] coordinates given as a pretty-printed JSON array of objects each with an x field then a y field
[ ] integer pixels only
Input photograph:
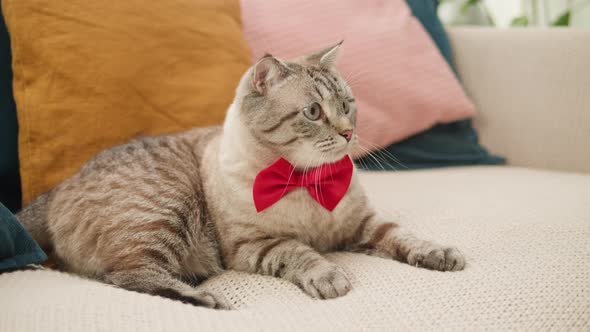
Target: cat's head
[{"x": 301, "y": 108}]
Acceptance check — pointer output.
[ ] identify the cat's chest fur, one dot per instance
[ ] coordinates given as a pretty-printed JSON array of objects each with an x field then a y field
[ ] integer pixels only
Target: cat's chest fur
[{"x": 296, "y": 214}]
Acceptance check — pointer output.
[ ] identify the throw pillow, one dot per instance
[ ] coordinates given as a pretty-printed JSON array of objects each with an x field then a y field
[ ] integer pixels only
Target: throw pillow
[
  {"x": 453, "y": 144},
  {"x": 402, "y": 84},
  {"x": 92, "y": 74},
  {"x": 9, "y": 179},
  {"x": 17, "y": 248}
]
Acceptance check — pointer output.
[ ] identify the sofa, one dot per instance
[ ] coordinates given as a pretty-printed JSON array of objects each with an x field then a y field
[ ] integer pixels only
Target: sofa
[{"x": 524, "y": 227}]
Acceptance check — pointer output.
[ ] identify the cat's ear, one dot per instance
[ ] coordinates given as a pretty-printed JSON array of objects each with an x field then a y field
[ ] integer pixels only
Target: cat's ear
[
  {"x": 325, "y": 58},
  {"x": 268, "y": 72}
]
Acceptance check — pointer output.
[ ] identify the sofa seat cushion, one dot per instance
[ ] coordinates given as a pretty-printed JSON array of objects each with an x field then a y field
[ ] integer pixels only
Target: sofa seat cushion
[{"x": 524, "y": 232}]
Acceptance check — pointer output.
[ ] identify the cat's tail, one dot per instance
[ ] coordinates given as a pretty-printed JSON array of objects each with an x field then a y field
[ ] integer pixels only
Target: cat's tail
[{"x": 34, "y": 218}]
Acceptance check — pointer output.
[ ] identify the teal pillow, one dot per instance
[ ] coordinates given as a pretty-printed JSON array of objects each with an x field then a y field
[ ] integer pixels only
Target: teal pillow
[
  {"x": 9, "y": 173},
  {"x": 17, "y": 248},
  {"x": 452, "y": 144}
]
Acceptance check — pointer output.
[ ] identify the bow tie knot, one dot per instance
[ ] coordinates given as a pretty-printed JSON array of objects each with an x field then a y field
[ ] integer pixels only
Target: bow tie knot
[{"x": 327, "y": 184}]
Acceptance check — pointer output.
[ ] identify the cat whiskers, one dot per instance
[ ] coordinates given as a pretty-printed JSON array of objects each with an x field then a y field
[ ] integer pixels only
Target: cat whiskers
[
  {"x": 351, "y": 78},
  {"x": 368, "y": 153},
  {"x": 307, "y": 165},
  {"x": 386, "y": 153},
  {"x": 319, "y": 176},
  {"x": 289, "y": 179},
  {"x": 379, "y": 159},
  {"x": 331, "y": 172}
]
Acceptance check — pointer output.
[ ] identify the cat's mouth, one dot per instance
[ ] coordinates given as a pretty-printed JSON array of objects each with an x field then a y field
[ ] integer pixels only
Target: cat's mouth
[
  {"x": 342, "y": 150},
  {"x": 317, "y": 154}
]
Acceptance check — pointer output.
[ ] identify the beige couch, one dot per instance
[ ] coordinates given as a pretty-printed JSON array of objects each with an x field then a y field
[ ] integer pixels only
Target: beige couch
[{"x": 525, "y": 228}]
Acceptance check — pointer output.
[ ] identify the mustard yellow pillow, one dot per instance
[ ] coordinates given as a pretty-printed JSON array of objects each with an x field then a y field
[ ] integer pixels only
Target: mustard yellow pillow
[{"x": 92, "y": 74}]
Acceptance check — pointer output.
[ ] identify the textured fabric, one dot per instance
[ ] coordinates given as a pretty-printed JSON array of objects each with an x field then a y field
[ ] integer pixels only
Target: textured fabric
[
  {"x": 98, "y": 73},
  {"x": 402, "y": 84},
  {"x": 452, "y": 144},
  {"x": 531, "y": 87},
  {"x": 327, "y": 184},
  {"x": 17, "y": 248},
  {"x": 9, "y": 175},
  {"x": 525, "y": 236}
]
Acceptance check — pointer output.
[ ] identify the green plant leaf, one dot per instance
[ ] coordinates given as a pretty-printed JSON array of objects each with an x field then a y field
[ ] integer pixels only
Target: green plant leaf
[
  {"x": 468, "y": 4},
  {"x": 563, "y": 20},
  {"x": 520, "y": 21}
]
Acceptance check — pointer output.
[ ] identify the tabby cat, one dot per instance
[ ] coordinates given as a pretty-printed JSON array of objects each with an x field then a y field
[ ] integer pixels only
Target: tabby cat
[{"x": 159, "y": 213}]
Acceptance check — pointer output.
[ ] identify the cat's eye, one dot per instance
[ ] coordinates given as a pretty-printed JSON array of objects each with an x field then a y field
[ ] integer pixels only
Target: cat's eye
[
  {"x": 345, "y": 107},
  {"x": 313, "y": 111}
]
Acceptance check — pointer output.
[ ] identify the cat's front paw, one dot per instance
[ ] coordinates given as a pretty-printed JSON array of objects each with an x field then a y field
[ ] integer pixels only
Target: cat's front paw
[
  {"x": 324, "y": 281},
  {"x": 437, "y": 258}
]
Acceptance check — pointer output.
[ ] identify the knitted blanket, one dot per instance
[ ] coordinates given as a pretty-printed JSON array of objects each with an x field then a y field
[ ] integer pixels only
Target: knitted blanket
[{"x": 525, "y": 233}]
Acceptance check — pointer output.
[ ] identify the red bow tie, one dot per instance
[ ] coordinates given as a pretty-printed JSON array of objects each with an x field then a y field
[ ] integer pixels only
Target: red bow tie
[{"x": 327, "y": 184}]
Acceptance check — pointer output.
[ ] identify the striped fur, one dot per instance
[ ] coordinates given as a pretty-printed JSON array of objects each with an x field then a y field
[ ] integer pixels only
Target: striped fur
[{"x": 155, "y": 213}]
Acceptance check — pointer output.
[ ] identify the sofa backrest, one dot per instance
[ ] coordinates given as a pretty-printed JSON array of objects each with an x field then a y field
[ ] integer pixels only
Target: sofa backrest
[{"x": 531, "y": 88}]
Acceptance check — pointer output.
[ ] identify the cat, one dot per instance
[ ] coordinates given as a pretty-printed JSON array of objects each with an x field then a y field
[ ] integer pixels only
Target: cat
[{"x": 158, "y": 213}]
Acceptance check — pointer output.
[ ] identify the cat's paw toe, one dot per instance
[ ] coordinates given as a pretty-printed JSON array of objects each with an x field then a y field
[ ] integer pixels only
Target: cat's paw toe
[
  {"x": 325, "y": 282},
  {"x": 212, "y": 300},
  {"x": 437, "y": 258},
  {"x": 454, "y": 260}
]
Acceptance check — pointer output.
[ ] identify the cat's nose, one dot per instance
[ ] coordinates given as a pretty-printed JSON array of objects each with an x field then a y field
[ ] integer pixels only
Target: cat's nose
[{"x": 347, "y": 134}]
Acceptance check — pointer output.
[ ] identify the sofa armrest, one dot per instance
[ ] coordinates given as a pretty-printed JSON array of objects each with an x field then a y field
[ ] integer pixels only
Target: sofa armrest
[{"x": 532, "y": 91}]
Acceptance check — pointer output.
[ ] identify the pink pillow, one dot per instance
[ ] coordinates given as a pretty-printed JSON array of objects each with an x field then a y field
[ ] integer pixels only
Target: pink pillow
[{"x": 401, "y": 82}]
